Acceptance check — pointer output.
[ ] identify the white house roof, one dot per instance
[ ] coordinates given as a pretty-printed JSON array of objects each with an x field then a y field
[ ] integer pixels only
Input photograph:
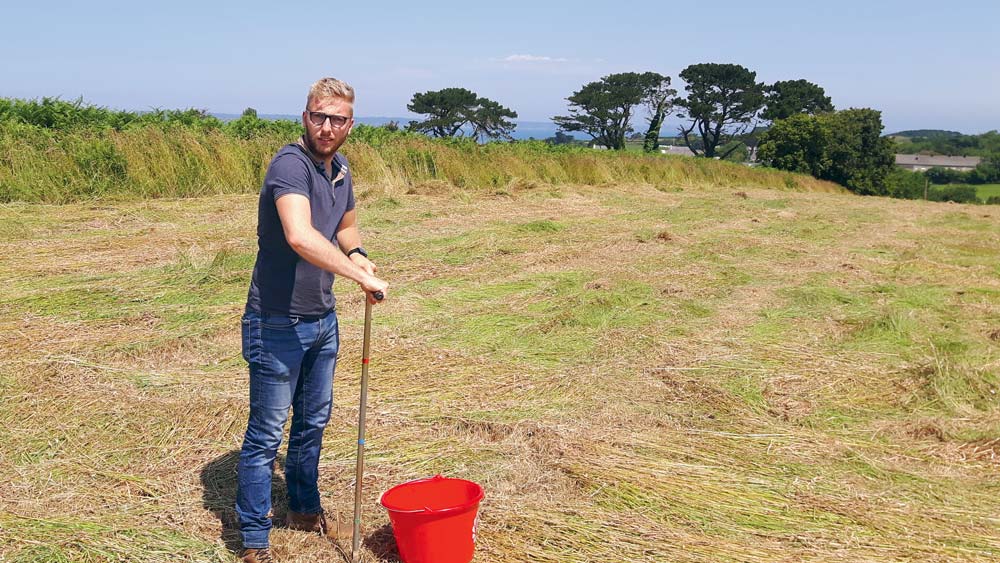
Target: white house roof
[{"x": 671, "y": 149}]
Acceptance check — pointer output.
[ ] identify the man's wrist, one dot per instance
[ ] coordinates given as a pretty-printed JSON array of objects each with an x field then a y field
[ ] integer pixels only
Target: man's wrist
[{"x": 357, "y": 250}]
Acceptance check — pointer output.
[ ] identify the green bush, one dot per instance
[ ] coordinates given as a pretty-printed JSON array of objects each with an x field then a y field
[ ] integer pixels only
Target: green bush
[
  {"x": 377, "y": 136},
  {"x": 939, "y": 175},
  {"x": 845, "y": 147},
  {"x": 905, "y": 184},
  {"x": 60, "y": 115},
  {"x": 957, "y": 194},
  {"x": 249, "y": 126}
]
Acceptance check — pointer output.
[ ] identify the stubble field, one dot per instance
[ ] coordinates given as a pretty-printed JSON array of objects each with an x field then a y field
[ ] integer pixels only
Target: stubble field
[{"x": 638, "y": 375}]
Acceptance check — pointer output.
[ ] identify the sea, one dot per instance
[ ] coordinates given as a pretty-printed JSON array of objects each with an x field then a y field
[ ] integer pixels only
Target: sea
[{"x": 525, "y": 129}]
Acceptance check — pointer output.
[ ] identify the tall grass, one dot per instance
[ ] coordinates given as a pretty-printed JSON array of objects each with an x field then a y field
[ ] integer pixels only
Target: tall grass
[
  {"x": 58, "y": 166},
  {"x": 57, "y": 151}
]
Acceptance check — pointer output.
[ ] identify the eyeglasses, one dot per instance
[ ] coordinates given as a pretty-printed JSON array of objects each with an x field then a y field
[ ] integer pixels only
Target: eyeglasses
[{"x": 317, "y": 118}]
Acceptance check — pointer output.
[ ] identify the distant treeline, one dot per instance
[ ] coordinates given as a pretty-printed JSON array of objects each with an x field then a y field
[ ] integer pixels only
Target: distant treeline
[
  {"x": 58, "y": 151},
  {"x": 948, "y": 143},
  {"x": 926, "y": 133}
]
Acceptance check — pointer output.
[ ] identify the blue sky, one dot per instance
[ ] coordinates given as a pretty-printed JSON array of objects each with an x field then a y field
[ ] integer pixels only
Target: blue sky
[{"x": 923, "y": 64}]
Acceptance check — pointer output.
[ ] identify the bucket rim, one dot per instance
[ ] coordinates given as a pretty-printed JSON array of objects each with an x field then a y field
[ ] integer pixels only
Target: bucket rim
[{"x": 479, "y": 496}]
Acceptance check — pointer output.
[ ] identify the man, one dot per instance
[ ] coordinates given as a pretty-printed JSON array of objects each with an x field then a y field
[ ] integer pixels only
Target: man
[{"x": 307, "y": 232}]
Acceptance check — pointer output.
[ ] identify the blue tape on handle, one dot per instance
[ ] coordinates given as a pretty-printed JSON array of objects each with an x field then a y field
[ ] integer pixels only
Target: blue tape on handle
[{"x": 361, "y": 441}]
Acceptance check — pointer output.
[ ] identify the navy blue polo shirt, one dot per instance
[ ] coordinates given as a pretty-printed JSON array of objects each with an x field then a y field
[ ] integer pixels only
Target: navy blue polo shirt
[{"x": 283, "y": 283}]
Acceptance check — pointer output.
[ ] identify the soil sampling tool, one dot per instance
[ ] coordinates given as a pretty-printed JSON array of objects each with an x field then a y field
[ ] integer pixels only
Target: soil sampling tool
[{"x": 361, "y": 427}]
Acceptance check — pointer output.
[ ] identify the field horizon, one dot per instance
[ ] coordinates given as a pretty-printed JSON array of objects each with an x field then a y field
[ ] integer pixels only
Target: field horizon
[{"x": 634, "y": 372}]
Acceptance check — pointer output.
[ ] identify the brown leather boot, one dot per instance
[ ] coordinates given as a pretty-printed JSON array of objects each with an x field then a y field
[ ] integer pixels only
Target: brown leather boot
[
  {"x": 257, "y": 555},
  {"x": 317, "y": 523}
]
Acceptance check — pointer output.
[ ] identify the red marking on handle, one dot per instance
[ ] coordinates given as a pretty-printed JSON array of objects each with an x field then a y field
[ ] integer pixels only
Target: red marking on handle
[{"x": 364, "y": 360}]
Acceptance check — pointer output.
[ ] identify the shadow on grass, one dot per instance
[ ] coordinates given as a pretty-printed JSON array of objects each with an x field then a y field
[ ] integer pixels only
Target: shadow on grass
[
  {"x": 382, "y": 544},
  {"x": 218, "y": 480}
]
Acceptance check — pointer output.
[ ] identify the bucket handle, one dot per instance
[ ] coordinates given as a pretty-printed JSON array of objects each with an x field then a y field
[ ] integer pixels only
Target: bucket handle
[{"x": 437, "y": 477}]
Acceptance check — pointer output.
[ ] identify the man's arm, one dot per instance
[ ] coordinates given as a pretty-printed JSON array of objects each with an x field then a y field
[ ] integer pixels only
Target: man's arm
[
  {"x": 313, "y": 247},
  {"x": 349, "y": 238}
]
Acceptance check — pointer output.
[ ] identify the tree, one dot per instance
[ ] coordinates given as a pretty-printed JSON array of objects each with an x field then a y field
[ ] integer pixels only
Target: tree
[
  {"x": 845, "y": 147},
  {"x": 722, "y": 102},
  {"x": 861, "y": 157},
  {"x": 659, "y": 102},
  {"x": 797, "y": 144},
  {"x": 603, "y": 109},
  {"x": 560, "y": 138},
  {"x": 792, "y": 97},
  {"x": 987, "y": 171},
  {"x": 905, "y": 184},
  {"x": 941, "y": 175},
  {"x": 491, "y": 121},
  {"x": 452, "y": 109}
]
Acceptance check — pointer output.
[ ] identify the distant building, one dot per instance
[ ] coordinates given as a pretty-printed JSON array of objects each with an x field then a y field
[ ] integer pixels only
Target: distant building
[
  {"x": 921, "y": 162},
  {"x": 676, "y": 150}
]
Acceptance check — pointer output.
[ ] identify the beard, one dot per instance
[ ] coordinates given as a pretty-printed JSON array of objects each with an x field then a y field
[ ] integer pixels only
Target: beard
[{"x": 321, "y": 150}]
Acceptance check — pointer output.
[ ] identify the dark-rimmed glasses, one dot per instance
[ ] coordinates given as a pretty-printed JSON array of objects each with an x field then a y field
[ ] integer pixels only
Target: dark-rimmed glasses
[{"x": 317, "y": 118}]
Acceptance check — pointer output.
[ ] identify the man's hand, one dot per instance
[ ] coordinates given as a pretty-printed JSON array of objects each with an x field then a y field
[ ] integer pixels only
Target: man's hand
[
  {"x": 370, "y": 284},
  {"x": 364, "y": 263},
  {"x": 369, "y": 268}
]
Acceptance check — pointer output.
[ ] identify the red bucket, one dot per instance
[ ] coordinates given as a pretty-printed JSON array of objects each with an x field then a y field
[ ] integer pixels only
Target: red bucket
[{"x": 434, "y": 520}]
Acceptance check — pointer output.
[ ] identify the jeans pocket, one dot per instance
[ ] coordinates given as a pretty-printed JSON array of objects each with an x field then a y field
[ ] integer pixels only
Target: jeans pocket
[
  {"x": 279, "y": 321},
  {"x": 250, "y": 331}
]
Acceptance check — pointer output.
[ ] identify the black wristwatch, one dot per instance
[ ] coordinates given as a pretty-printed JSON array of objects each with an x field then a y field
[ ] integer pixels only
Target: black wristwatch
[{"x": 358, "y": 250}]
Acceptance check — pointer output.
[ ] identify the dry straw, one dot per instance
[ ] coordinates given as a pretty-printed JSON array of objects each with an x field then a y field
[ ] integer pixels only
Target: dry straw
[{"x": 771, "y": 382}]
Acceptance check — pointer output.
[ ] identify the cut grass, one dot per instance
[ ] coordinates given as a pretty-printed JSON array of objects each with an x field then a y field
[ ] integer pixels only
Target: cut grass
[
  {"x": 767, "y": 381},
  {"x": 548, "y": 319},
  {"x": 50, "y": 539}
]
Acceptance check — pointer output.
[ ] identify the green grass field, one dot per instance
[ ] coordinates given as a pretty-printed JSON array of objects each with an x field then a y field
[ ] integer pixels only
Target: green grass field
[
  {"x": 692, "y": 374},
  {"x": 986, "y": 191}
]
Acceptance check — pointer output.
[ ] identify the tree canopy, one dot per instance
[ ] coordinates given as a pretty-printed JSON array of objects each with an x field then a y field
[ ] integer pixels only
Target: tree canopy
[
  {"x": 797, "y": 144},
  {"x": 561, "y": 138},
  {"x": 722, "y": 103},
  {"x": 786, "y": 98},
  {"x": 603, "y": 109},
  {"x": 454, "y": 111},
  {"x": 846, "y": 147}
]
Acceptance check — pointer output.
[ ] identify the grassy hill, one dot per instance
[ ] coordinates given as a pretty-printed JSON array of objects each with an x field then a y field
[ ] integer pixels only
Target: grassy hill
[{"x": 696, "y": 373}]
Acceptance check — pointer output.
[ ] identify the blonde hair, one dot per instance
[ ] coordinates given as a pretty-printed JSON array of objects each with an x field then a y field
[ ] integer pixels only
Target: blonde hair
[{"x": 330, "y": 88}]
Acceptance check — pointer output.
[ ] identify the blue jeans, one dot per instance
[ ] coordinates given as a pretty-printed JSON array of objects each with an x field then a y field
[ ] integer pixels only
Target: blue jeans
[{"x": 292, "y": 361}]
